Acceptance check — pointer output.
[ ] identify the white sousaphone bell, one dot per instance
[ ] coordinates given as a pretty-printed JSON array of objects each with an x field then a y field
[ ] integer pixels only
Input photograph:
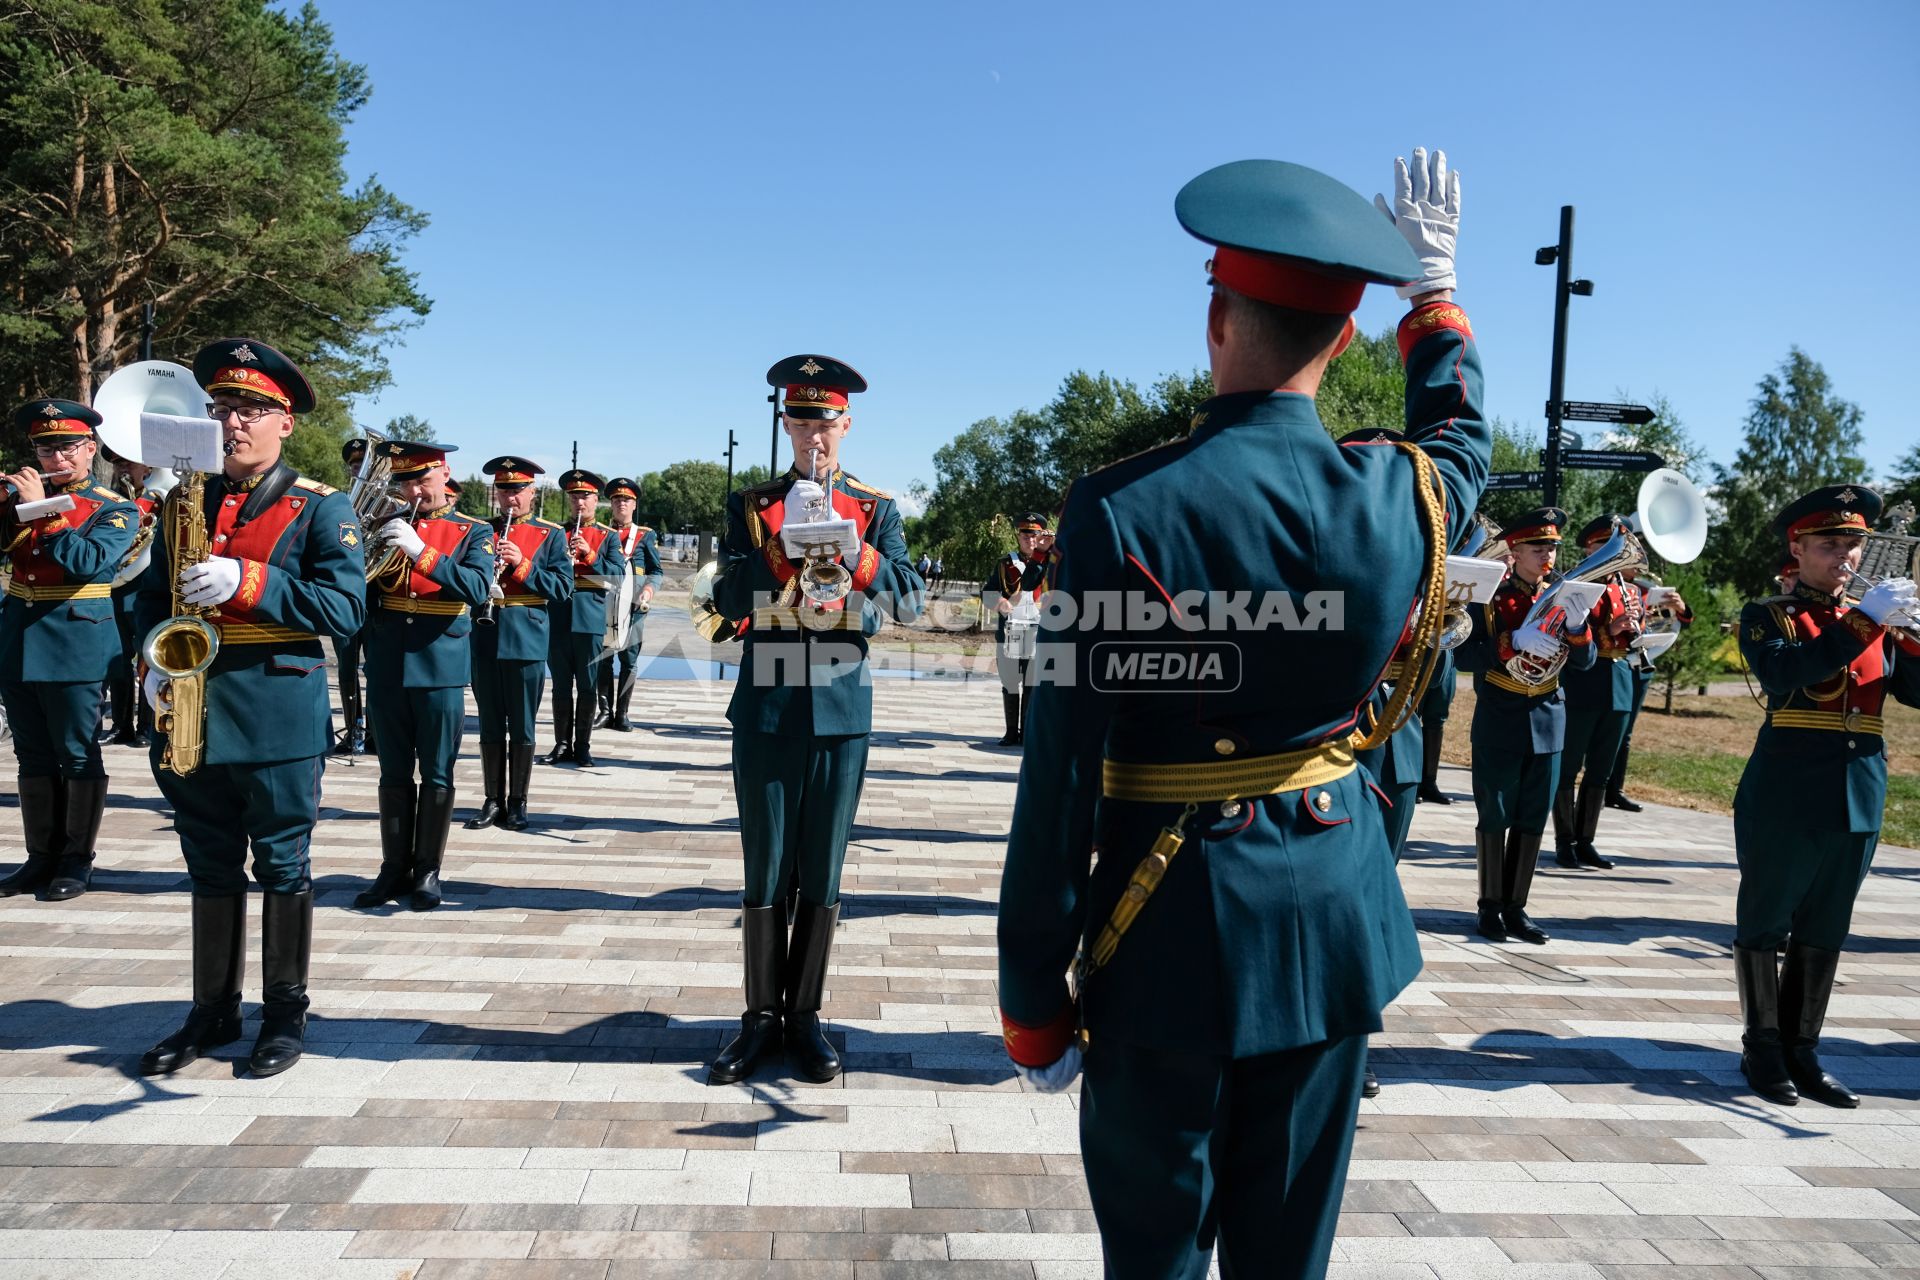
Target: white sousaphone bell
[{"x": 150, "y": 389}]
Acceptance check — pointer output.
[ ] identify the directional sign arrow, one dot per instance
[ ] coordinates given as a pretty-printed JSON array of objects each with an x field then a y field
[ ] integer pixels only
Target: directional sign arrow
[
  {"x": 1503, "y": 481},
  {"x": 1612, "y": 460},
  {"x": 1633, "y": 415}
]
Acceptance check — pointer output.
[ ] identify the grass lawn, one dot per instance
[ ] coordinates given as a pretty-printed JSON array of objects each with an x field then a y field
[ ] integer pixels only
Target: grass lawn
[{"x": 1693, "y": 756}]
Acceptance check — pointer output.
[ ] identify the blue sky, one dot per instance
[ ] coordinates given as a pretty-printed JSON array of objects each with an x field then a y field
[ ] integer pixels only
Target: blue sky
[{"x": 638, "y": 207}]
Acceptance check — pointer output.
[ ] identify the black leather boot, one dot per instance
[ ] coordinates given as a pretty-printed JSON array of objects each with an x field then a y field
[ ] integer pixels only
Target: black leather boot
[
  {"x": 623, "y": 700},
  {"x": 583, "y": 731},
  {"x": 432, "y": 825},
  {"x": 1617, "y": 784},
  {"x": 1523, "y": 858},
  {"x": 562, "y": 752},
  {"x": 1020, "y": 725},
  {"x": 493, "y": 775},
  {"x": 1490, "y": 857},
  {"x": 1586, "y": 822},
  {"x": 519, "y": 776},
  {"x": 41, "y": 820},
  {"x": 1010, "y": 708},
  {"x": 1430, "y": 792},
  {"x": 808, "y": 1051},
  {"x": 603, "y": 694},
  {"x": 219, "y": 938},
  {"x": 396, "y": 848},
  {"x": 1369, "y": 1084},
  {"x": 1806, "y": 984},
  {"x": 86, "y": 803},
  {"x": 763, "y": 935},
  {"x": 1564, "y": 829},
  {"x": 1763, "y": 1055},
  {"x": 286, "y": 946}
]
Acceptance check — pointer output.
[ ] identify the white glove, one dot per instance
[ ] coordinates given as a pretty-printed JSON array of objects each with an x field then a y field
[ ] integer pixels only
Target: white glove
[
  {"x": 804, "y": 502},
  {"x": 150, "y": 687},
  {"x": 1426, "y": 210},
  {"x": 401, "y": 534},
  {"x": 1054, "y": 1078},
  {"x": 212, "y": 581},
  {"x": 1536, "y": 642},
  {"x": 1892, "y": 596},
  {"x": 1578, "y": 610}
]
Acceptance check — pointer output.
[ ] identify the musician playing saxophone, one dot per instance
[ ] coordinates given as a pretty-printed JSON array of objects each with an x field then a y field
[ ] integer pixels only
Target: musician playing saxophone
[
  {"x": 283, "y": 566},
  {"x": 418, "y": 663},
  {"x": 57, "y": 639}
]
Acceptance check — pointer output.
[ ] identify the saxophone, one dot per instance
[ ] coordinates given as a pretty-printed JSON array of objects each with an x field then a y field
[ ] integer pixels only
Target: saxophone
[{"x": 184, "y": 646}]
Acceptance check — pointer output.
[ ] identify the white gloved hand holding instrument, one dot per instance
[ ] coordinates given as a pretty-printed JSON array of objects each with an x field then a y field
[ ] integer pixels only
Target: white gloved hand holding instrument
[
  {"x": 1426, "y": 211},
  {"x": 401, "y": 533},
  {"x": 212, "y": 581},
  {"x": 1895, "y": 598}
]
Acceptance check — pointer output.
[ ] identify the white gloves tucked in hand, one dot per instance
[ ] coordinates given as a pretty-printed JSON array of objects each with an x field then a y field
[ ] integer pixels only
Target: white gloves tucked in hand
[
  {"x": 1056, "y": 1077},
  {"x": 1533, "y": 640},
  {"x": 401, "y": 534},
  {"x": 212, "y": 581},
  {"x": 1895, "y": 596},
  {"x": 1425, "y": 210}
]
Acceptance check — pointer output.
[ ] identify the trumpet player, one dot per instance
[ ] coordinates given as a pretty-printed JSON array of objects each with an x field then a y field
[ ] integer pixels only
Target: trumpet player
[
  {"x": 1518, "y": 727},
  {"x": 510, "y": 654},
  {"x": 577, "y": 623},
  {"x": 274, "y": 562},
  {"x": 1807, "y": 816},
  {"x": 419, "y": 660},
  {"x": 57, "y": 639},
  {"x": 1599, "y": 704},
  {"x": 640, "y": 549},
  {"x": 802, "y": 708},
  {"x": 1017, "y": 582}
]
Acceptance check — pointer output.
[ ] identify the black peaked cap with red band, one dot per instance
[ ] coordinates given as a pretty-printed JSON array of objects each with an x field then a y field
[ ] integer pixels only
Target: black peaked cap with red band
[{"x": 250, "y": 366}]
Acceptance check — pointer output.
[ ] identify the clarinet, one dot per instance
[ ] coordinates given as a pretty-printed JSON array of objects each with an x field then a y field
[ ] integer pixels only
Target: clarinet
[{"x": 488, "y": 612}]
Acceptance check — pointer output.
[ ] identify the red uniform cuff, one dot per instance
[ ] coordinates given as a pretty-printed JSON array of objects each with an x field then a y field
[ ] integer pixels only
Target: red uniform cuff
[
  {"x": 253, "y": 583},
  {"x": 1429, "y": 320},
  {"x": 776, "y": 559},
  {"x": 1504, "y": 647},
  {"x": 521, "y": 570},
  {"x": 50, "y": 524},
  {"x": 1862, "y": 626},
  {"x": 1038, "y": 1046},
  {"x": 1584, "y": 636},
  {"x": 866, "y": 568}
]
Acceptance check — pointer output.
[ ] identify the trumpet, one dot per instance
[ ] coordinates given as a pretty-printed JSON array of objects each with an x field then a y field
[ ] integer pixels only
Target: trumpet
[{"x": 822, "y": 580}]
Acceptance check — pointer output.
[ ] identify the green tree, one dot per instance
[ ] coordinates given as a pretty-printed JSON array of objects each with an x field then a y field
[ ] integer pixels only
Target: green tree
[
  {"x": 1365, "y": 386},
  {"x": 1903, "y": 485},
  {"x": 1514, "y": 449},
  {"x": 1799, "y": 436},
  {"x": 408, "y": 427},
  {"x": 1694, "y": 658},
  {"x": 1587, "y": 494},
  {"x": 476, "y": 496},
  {"x": 691, "y": 495},
  {"x": 188, "y": 154}
]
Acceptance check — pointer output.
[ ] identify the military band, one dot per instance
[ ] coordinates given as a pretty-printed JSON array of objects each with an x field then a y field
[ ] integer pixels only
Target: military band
[
  {"x": 132, "y": 718},
  {"x": 640, "y": 550},
  {"x": 434, "y": 569},
  {"x": 1519, "y": 725},
  {"x": 275, "y": 564},
  {"x": 577, "y": 622},
  {"x": 532, "y": 570},
  {"x": 802, "y": 708},
  {"x": 57, "y": 640},
  {"x": 1807, "y": 816}
]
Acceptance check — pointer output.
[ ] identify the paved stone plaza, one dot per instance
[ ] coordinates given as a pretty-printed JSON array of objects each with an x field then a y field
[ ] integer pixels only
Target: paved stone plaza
[{"x": 512, "y": 1086}]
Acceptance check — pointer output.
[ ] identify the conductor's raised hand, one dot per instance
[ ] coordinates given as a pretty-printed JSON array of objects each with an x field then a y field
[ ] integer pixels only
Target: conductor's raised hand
[{"x": 1426, "y": 211}]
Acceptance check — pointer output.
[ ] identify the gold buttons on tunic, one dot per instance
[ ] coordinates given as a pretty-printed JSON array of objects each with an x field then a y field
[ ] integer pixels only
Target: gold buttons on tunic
[
  {"x": 1224, "y": 746},
  {"x": 1323, "y": 802},
  {"x": 1231, "y": 809}
]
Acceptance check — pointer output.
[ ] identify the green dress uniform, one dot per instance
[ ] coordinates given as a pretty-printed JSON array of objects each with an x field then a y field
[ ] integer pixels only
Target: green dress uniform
[
  {"x": 57, "y": 639},
  {"x": 296, "y": 546},
  {"x": 510, "y": 657},
  {"x": 1811, "y": 801},
  {"x": 1518, "y": 732},
  {"x": 1599, "y": 705},
  {"x": 643, "y": 562},
  {"x": 577, "y": 629},
  {"x": 801, "y": 712},
  {"x": 419, "y": 659},
  {"x": 132, "y": 717},
  {"x": 348, "y": 654},
  {"x": 1226, "y": 1031},
  {"x": 1011, "y": 576}
]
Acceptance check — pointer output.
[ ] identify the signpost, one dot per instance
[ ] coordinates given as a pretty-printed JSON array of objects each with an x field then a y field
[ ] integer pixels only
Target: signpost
[
  {"x": 1612, "y": 460},
  {"x": 1632, "y": 415},
  {"x": 1507, "y": 481},
  {"x": 1559, "y": 256}
]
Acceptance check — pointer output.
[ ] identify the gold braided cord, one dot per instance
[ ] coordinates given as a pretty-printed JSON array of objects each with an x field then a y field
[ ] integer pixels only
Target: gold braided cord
[{"x": 1425, "y": 655}]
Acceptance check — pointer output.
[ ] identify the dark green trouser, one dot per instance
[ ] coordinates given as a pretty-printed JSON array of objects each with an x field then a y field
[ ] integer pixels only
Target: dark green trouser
[
  {"x": 797, "y": 797},
  {"x": 1513, "y": 790},
  {"x": 54, "y": 728},
  {"x": 508, "y": 695},
  {"x": 1180, "y": 1147},
  {"x": 220, "y": 809},
  {"x": 423, "y": 725},
  {"x": 574, "y": 660},
  {"x": 1592, "y": 744},
  {"x": 1618, "y": 780},
  {"x": 1798, "y": 884}
]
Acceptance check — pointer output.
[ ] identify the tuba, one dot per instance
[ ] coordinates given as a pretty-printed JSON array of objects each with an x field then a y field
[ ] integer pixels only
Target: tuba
[
  {"x": 375, "y": 503},
  {"x": 155, "y": 402},
  {"x": 1620, "y": 554}
]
